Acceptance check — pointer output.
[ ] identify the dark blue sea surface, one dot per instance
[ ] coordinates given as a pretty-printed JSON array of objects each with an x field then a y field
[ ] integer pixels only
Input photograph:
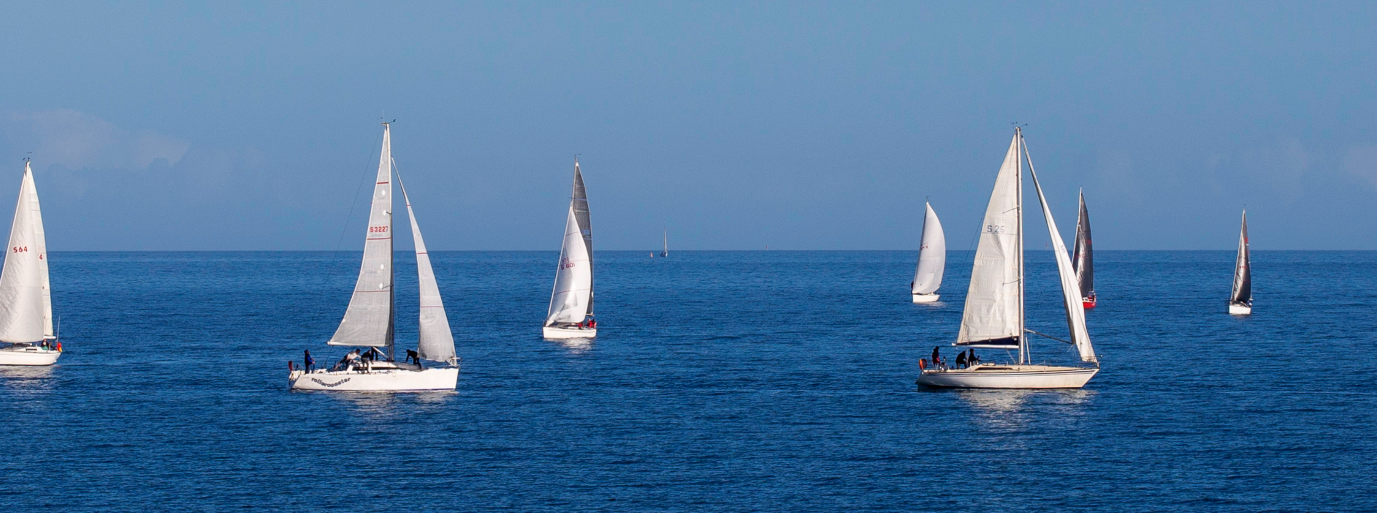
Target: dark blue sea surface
[{"x": 732, "y": 381}]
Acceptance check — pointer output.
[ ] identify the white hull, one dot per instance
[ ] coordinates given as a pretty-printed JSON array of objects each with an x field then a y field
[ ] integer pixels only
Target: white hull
[
  {"x": 28, "y": 355},
  {"x": 1240, "y": 309},
  {"x": 556, "y": 332},
  {"x": 389, "y": 380},
  {"x": 925, "y": 298},
  {"x": 1009, "y": 376}
]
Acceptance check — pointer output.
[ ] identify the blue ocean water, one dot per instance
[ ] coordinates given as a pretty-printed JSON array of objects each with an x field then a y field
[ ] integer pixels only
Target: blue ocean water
[{"x": 732, "y": 381}]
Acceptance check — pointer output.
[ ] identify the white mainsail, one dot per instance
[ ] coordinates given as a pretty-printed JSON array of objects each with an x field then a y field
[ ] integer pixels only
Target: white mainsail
[
  {"x": 1070, "y": 286},
  {"x": 41, "y": 247},
  {"x": 572, "y": 298},
  {"x": 993, "y": 315},
  {"x": 436, "y": 340},
  {"x": 369, "y": 319},
  {"x": 23, "y": 280},
  {"x": 932, "y": 255}
]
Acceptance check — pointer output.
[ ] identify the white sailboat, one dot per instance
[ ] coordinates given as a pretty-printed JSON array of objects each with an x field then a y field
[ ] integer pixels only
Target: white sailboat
[
  {"x": 1241, "y": 301},
  {"x": 370, "y": 319},
  {"x": 932, "y": 259},
  {"x": 994, "y": 312},
  {"x": 26, "y": 305},
  {"x": 665, "y": 252},
  {"x": 571, "y": 303}
]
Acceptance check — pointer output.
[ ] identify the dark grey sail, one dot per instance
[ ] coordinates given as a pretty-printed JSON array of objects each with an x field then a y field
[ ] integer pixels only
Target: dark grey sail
[
  {"x": 1081, "y": 258},
  {"x": 1243, "y": 273},
  {"x": 580, "y": 206}
]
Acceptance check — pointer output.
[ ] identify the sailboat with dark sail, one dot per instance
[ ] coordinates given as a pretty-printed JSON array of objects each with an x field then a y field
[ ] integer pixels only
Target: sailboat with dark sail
[
  {"x": 1081, "y": 257},
  {"x": 1241, "y": 300},
  {"x": 370, "y": 319},
  {"x": 994, "y": 311},
  {"x": 571, "y": 303}
]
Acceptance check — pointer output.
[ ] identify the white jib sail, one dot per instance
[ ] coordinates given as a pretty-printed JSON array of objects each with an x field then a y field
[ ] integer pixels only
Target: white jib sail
[
  {"x": 932, "y": 255},
  {"x": 21, "y": 280},
  {"x": 368, "y": 320},
  {"x": 573, "y": 279},
  {"x": 436, "y": 341},
  {"x": 994, "y": 300},
  {"x": 1070, "y": 286}
]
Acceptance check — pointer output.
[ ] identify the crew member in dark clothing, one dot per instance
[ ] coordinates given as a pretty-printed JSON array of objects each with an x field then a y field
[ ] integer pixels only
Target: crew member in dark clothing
[
  {"x": 310, "y": 362},
  {"x": 960, "y": 359},
  {"x": 936, "y": 355}
]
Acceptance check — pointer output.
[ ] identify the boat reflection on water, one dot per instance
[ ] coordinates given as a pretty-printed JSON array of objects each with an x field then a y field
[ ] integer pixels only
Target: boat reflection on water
[
  {"x": 27, "y": 377},
  {"x": 1012, "y": 409},
  {"x": 387, "y": 405},
  {"x": 574, "y": 345}
]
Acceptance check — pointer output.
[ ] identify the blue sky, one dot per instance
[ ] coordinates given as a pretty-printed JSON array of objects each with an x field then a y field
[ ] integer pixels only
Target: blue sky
[{"x": 739, "y": 125}]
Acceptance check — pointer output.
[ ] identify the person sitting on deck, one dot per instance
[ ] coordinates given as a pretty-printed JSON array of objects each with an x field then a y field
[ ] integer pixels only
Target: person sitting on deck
[{"x": 961, "y": 359}]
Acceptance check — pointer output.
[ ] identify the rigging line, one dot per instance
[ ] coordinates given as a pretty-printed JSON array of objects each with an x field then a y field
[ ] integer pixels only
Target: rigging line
[
  {"x": 1049, "y": 336},
  {"x": 345, "y": 229}
]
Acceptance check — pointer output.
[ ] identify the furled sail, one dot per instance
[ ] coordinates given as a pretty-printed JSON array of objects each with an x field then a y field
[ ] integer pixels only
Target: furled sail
[
  {"x": 994, "y": 302},
  {"x": 1070, "y": 288},
  {"x": 436, "y": 339},
  {"x": 932, "y": 255},
  {"x": 368, "y": 320},
  {"x": 572, "y": 299},
  {"x": 23, "y": 279},
  {"x": 1081, "y": 258},
  {"x": 1243, "y": 273}
]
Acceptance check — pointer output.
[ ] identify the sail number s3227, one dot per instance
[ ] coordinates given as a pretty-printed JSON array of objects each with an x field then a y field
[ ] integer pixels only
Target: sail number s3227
[{"x": 377, "y": 229}]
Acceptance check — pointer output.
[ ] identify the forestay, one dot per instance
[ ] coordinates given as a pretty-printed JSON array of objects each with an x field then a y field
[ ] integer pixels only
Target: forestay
[
  {"x": 1082, "y": 257},
  {"x": 436, "y": 340},
  {"x": 932, "y": 255},
  {"x": 1071, "y": 290},
  {"x": 995, "y": 298},
  {"x": 368, "y": 320},
  {"x": 23, "y": 279},
  {"x": 572, "y": 298},
  {"x": 1243, "y": 274}
]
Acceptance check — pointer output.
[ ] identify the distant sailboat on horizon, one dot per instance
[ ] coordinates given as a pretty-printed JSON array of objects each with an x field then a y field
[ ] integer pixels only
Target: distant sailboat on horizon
[
  {"x": 1081, "y": 257},
  {"x": 665, "y": 252},
  {"x": 993, "y": 316},
  {"x": 932, "y": 259},
  {"x": 26, "y": 305},
  {"x": 1241, "y": 300},
  {"x": 370, "y": 319},
  {"x": 571, "y": 302}
]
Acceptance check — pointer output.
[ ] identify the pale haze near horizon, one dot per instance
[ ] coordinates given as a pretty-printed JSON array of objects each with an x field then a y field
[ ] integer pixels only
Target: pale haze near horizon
[{"x": 792, "y": 125}]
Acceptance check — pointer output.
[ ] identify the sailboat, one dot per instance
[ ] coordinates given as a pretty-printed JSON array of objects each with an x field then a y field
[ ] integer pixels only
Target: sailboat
[
  {"x": 26, "y": 305},
  {"x": 571, "y": 303},
  {"x": 994, "y": 312},
  {"x": 932, "y": 259},
  {"x": 665, "y": 252},
  {"x": 369, "y": 321},
  {"x": 1241, "y": 301},
  {"x": 1081, "y": 257}
]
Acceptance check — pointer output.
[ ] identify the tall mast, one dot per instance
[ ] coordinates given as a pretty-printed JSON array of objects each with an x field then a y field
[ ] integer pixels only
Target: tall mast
[
  {"x": 391, "y": 261},
  {"x": 1023, "y": 356}
]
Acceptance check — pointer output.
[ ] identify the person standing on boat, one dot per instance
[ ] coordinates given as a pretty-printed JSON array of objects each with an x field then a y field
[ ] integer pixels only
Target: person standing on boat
[
  {"x": 309, "y": 362},
  {"x": 961, "y": 359},
  {"x": 937, "y": 356}
]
